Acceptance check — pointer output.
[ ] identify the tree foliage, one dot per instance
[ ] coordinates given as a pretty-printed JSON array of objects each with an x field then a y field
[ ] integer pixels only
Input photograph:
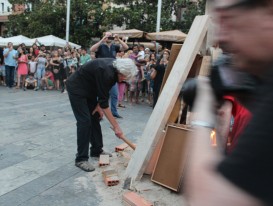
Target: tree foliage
[{"x": 90, "y": 18}]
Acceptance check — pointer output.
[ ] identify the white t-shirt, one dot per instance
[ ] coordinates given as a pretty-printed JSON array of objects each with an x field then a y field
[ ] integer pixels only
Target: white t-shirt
[
  {"x": 32, "y": 66},
  {"x": 141, "y": 55}
]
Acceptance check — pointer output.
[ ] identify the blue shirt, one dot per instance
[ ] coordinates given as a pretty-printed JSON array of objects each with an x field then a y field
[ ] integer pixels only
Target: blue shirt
[{"x": 9, "y": 60}]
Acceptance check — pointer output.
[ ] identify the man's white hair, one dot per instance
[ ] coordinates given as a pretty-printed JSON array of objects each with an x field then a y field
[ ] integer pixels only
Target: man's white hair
[{"x": 126, "y": 67}]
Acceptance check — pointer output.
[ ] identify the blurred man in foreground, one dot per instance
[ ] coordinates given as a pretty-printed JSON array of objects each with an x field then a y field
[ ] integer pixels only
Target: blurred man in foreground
[{"x": 244, "y": 178}]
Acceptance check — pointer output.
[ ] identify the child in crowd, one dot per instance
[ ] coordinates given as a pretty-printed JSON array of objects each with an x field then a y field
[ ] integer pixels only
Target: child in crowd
[
  {"x": 48, "y": 80},
  {"x": 31, "y": 83},
  {"x": 32, "y": 66},
  {"x": 141, "y": 60}
]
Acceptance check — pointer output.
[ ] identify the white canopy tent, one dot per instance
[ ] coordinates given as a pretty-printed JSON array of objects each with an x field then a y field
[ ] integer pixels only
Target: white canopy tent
[
  {"x": 51, "y": 40},
  {"x": 16, "y": 40}
]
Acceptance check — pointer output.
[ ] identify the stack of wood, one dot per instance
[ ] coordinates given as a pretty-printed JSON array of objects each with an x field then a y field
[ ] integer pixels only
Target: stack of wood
[{"x": 163, "y": 149}]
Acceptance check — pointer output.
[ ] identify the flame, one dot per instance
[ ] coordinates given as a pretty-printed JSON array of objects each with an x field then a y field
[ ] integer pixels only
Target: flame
[{"x": 213, "y": 138}]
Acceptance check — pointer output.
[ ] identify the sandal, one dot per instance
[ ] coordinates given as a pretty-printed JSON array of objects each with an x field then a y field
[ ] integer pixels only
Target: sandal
[
  {"x": 85, "y": 166},
  {"x": 121, "y": 105}
]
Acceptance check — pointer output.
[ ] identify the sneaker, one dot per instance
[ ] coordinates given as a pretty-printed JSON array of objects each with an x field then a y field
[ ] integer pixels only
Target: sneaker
[
  {"x": 85, "y": 166},
  {"x": 117, "y": 116},
  {"x": 24, "y": 89},
  {"x": 36, "y": 89},
  {"x": 64, "y": 92},
  {"x": 121, "y": 105}
]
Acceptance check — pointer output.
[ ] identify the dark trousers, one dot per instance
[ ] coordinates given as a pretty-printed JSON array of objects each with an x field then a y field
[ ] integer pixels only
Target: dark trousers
[
  {"x": 88, "y": 126},
  {"x": 9, "y": 75}
]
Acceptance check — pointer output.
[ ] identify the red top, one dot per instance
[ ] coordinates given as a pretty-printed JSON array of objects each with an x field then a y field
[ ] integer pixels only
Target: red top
[
  {"x": 36, "y": 52},
  {"x": 241, "y": 118}
]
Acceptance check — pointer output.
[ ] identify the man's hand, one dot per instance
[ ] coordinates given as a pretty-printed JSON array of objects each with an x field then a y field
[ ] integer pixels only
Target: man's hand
[
  {"x": 99, "y": 110},
  {"x": 105, "y": 37},
  {"x": 118, "y": 132}
]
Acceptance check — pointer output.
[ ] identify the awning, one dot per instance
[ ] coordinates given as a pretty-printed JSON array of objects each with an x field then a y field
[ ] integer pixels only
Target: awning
[
  {"x": 131, "y": 33},
  {"x": 173, "y": 36}
]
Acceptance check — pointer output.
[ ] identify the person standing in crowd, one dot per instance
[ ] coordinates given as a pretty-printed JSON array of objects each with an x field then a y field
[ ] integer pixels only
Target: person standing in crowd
[
  {"x": 106, "y": 49},
  {"x": 60, "y": 52},
  {"x": 43, "y": 49},
  {"x": 158, "y": 74},
  {"x": 42, "y": 64},
  {"x": 84, "y": 57},
  {"x": 135, "y": 84},
  {"x": 32, "y": 64},
  {"x": 141, "y": 60},
  {"x": 2, "y": 66},
  {"x": 22, "y": 70},
  {"x": 75, "y": 61},
  {"x": 10, "y": 57},
  {"x": 31, "y": 53},
  {"x": 243, "y": 178},
  {"x": 35, "y": 48},
  {"x": 55, "y": 62},
  {"x": 88, "y": 90}
]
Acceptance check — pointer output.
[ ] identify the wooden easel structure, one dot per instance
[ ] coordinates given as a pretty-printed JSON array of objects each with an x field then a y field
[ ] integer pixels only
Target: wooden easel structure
[{"x": 168, "y": 98}]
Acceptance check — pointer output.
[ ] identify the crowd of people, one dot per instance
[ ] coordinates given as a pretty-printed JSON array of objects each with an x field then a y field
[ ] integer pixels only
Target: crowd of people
[{"x": 37, "y": 68}]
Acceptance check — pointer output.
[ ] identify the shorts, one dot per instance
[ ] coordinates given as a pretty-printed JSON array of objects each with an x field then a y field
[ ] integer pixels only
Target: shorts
[
  {"x": 30, "y": 86},
  {"x": 136, "y": 84},
  {"x": 3, "y": 70},
  {"x": 50, "y": 83}
]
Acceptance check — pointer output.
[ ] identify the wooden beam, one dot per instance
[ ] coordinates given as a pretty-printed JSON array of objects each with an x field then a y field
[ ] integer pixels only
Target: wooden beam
[
  {"x": 205, "y": 66},
  {"x": 173, "y": 56},
  {"x": 166, "y": 101}
]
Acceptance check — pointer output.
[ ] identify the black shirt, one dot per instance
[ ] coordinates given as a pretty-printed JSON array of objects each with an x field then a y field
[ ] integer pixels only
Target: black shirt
[
  {"x": 160, "y": 71},
  {"x": 94, "y": 80},
  {"x": 107, "y": 52},
  {"x": 250, "y": 165}
]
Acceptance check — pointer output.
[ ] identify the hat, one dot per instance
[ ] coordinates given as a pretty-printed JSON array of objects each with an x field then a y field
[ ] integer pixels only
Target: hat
[{"x": 147, "y": 49}]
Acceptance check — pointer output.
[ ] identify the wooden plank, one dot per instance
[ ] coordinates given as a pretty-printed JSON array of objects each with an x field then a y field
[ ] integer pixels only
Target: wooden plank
[
  {"x": 151, "y": 165},
  {"x": 173, "y": 56},
  {"x": 167, "y": 99},
  {"x": 175, "y": 112},
  {"x": 205, "y": 66},
  {"x": 194, "y": 71},
  {"x": 175, "y": 148}
]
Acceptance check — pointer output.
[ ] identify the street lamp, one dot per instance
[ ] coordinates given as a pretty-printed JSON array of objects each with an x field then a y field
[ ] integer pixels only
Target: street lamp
[
  {"x": 159, "y": 4},
  {"x": 67, "y": 20}
]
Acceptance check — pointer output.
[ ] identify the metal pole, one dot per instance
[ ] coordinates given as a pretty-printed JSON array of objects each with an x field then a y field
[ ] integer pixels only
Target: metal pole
[
  {"x": 159, "y": 5},
  {"x": 67, "y": 20}
]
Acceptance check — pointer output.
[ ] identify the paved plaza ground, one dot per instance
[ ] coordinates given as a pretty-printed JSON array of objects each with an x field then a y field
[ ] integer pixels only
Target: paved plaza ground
[{"x": 37, "y": 151}]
